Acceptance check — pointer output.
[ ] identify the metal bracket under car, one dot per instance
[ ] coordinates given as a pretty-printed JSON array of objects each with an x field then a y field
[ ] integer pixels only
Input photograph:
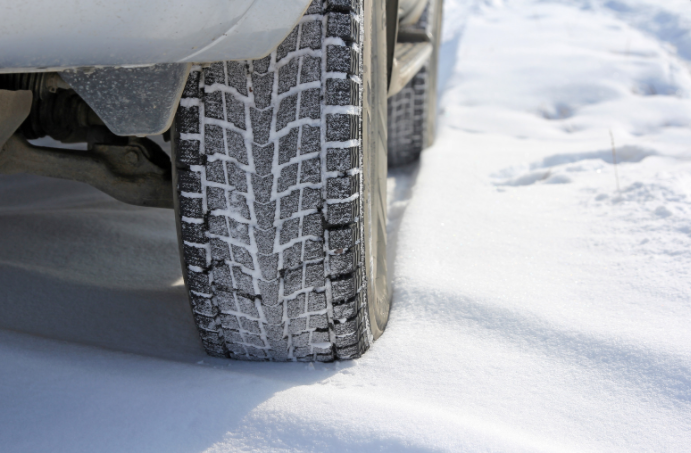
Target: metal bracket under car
[
  {"x": 130, "y": 169},
  {"x": 15, "y": 106}
]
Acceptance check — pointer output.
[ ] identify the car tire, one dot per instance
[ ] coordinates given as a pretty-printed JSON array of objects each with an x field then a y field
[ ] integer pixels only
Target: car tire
[
  {"x": 412, "y": 112},
  {"x": 280, "y": 200}
]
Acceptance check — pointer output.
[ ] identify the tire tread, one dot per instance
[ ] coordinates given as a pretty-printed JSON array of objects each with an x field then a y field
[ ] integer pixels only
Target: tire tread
[{"x": 257, "y": 214}]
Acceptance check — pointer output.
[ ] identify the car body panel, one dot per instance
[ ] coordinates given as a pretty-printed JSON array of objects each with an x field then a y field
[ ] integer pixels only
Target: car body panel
[{"x": 44, "y": 35}]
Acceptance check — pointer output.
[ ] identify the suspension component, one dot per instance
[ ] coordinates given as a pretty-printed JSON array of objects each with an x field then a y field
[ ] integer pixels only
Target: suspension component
[
  {"x": 136, "y": 172},
  {"x": 130, "y": 169},
  {"x": 56, "y": 110}
]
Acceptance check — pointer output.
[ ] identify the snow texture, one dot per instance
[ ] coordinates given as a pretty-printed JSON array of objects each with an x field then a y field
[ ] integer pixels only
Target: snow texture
[{"x": 537, "y": 307}]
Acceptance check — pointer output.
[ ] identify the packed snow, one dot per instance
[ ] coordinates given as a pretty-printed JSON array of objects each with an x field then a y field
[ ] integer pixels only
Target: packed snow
[{"x": 541, "y": 253}]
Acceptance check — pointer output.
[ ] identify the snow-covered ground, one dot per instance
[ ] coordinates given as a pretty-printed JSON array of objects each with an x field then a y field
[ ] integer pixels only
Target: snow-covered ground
[{"x": 542, "y": 293}]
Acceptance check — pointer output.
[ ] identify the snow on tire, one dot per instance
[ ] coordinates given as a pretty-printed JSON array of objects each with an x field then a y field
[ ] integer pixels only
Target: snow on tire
[{"x": 269, "y": 196}]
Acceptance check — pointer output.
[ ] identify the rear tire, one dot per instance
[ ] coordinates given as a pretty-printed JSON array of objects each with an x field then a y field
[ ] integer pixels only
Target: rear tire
[
  {"x": 280, "y": 170},
  {"x": 412, "y": 112}
]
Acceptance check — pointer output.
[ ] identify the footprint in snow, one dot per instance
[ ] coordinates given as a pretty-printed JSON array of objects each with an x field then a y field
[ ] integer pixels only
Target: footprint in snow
[{"x": 555, "y": 169}]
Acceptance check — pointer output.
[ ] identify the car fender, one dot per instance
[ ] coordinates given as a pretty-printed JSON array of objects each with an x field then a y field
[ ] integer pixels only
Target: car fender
[{"x": 45, "y": 35}]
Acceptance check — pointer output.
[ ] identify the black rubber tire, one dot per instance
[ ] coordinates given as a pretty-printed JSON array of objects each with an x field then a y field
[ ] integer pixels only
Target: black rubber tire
[
  {"x": 280, "y": 201},
  {"x": 412, "y": 112}
]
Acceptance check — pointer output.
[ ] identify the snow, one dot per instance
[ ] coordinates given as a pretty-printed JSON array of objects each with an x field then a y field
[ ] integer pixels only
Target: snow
[{"x": 542, "y": 293}]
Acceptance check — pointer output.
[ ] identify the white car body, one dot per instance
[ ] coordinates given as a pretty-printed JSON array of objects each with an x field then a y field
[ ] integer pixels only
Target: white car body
[{"x": 45, "y": 35}]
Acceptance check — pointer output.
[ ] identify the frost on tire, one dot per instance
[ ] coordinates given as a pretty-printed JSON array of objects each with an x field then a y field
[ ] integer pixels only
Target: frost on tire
[{"x": 268, "y": 159}]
